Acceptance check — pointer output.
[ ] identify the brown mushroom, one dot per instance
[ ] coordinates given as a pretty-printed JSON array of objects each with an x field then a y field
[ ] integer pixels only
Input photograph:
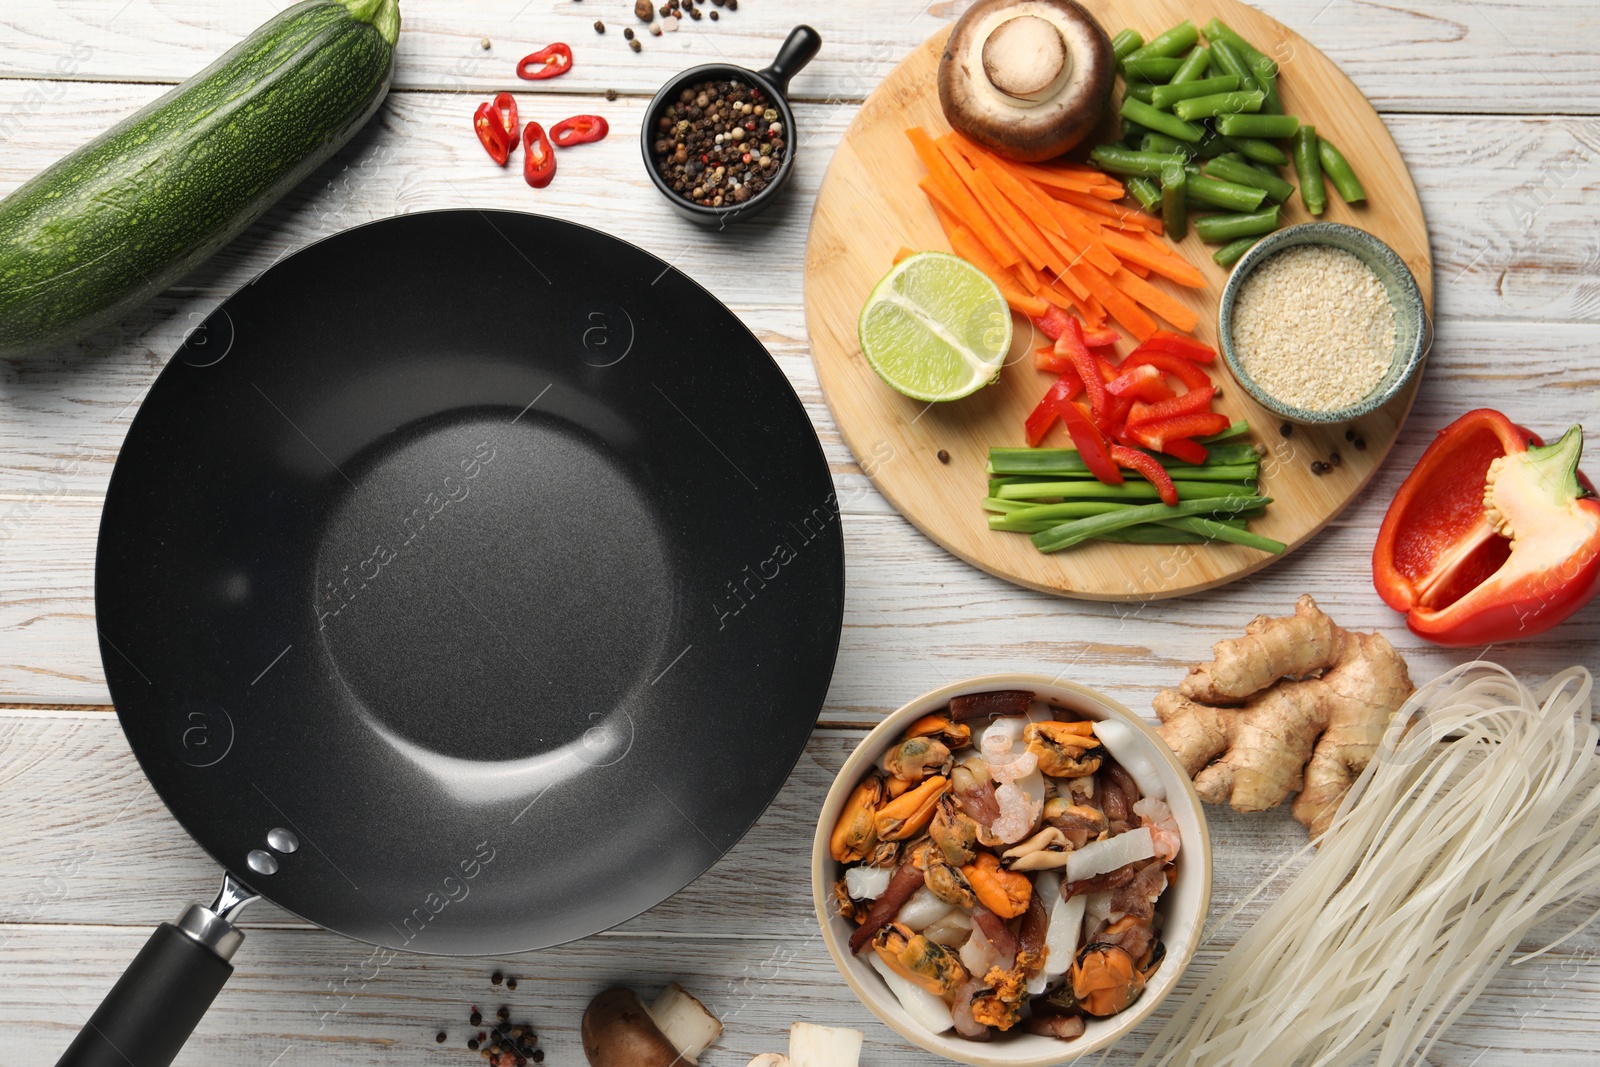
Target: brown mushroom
[
  {"x": 1028, "y": 79},
  {"x": 620, "y": 1030}
]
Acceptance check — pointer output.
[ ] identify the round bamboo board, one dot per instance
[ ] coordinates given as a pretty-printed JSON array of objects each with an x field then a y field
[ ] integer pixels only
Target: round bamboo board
[{"x": 869, "y": 206}]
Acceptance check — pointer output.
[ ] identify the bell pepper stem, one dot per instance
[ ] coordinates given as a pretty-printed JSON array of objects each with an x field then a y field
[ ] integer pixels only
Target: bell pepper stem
[{"x": 1557, "y": 466}]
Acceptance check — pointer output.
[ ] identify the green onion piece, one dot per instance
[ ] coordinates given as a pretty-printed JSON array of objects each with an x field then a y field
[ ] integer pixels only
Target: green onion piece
[
  {"x": 1079, "y": 530},
  {"x": 1127, "y": 491},
  {"x": 1225, "y": 531},
  {"x": 1234, "y": 430}
]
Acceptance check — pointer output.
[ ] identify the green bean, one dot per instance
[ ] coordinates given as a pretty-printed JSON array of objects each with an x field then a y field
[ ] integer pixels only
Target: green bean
[
  {"x": 1164, "y": 96},
  {"x": 1226, "y": 195},
  {"x": 1150, "y": 69},
  {"x": 1140, "y": 91},
  {"x": 1174, "y": 203},
  {"x": 1125, "y": 44},
  {"x": 1241, "y": 173},
  {"x": 1079, "y": 530},
  {"x": 1226, "y": 60},
  {"x": 1217, "y": 30},
  {"x": 1229, "y": 254},
  {"x": 1266, "y": 75},
  {"x": 1205, "y": 107},
  {"x": 1145, "y": 191},
  {"x": 1257, "y": 125},
  {"x": 1257, "y": 150},
  {"x": 1337, "y": 168},
  {"x": 1161, "y": 122},
  {"x": 1126, "y": 161},
  {"x": 1132, "y": 132},
  {"x": 1226, "y": 531},
  {"x": 1167, "y": 146},
  {"x": 1308, "y": 164},
  {"x": 1092, "y": 490},
  {"x": 1220, "y": 229},
  {"x": 1193, "y": 67},
  {"x": 1211, "y": 145},
  {"x": 1175, "y": 41}
]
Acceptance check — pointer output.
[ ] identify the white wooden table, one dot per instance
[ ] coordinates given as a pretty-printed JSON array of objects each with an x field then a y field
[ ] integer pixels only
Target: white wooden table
[{"x": 1494, "y": 104}]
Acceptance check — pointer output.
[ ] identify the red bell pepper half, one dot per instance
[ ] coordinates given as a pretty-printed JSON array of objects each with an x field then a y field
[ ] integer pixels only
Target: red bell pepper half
[
  {"x": 538, "y": 156},
  {"x": 1494, "y": 536},
  {"x": 579, "y": 129},
  {"x": 547, "y": 62},
  {"x": 491, "y": 133}
]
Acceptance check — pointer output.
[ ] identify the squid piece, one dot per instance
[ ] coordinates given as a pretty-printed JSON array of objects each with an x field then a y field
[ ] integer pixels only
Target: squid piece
[
  {"x": 930, "y": 1011},
  {"x": 1064, "y": 749},
  {"x": 919, "y": 960},
  {"x": 907, "y": 815},
  {"x": 1006, "y": 893},
  {"x": 916, "y": 758},
  {"x": 955, "y": 735},
  {"x": 855, "y": 834}
]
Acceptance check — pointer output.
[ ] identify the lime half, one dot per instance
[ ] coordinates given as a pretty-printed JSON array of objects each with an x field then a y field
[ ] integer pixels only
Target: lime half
[{"x": 935, "y": 327}]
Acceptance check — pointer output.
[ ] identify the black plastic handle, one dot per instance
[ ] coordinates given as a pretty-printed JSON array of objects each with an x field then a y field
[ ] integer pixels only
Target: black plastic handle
[
  {"x": 799, "y": 48},
  {"x": 154, "y": 1007}
]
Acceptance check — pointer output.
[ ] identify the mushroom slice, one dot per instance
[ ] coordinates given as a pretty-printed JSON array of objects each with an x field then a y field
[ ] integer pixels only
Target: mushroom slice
[{"x": 1028, "y": 79}]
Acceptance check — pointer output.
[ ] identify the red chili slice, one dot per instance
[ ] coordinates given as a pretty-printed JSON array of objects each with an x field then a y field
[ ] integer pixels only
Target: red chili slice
[
  {"x": 579, "y": 129},
  {"x": 548, "y": 62},
  {"x": 486, "y": 124},
  {"x": 505, "y": 109},
  {"x": 538, "y": 156}
]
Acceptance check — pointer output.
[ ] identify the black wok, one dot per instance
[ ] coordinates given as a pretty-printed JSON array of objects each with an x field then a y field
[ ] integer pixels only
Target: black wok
[{"x": 468, "y": 584}]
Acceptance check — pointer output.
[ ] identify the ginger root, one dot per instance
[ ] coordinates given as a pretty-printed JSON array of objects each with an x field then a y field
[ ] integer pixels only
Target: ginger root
[{"x": 1313, "y": 703}]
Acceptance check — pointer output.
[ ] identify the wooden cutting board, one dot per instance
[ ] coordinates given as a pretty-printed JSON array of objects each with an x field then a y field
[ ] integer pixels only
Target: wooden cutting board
[{"x": 869, "y": 206}]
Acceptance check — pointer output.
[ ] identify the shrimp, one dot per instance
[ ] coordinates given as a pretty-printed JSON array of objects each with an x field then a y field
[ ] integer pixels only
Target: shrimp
[
  {"x": 1006, "y": 764},
  {"x": 1155, "y": 814},
  {"x": 1021, "y": 804}
]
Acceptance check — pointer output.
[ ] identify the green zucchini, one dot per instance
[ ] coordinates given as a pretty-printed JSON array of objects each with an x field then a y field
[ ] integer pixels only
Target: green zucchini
[{"x": 120, "y": 219}]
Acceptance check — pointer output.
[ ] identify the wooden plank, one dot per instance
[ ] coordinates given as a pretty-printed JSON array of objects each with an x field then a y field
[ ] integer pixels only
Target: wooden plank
[
  {"x": 1427, "y": 55},
  {"x": 300, "y": 998},
  {"x": 915, "y": 617}
]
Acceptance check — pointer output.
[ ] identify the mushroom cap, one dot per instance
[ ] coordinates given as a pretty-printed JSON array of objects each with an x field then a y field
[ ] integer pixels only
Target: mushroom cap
[
  {"x": 1028, "y": 79},
  {"x": 619, "y": 1032}
]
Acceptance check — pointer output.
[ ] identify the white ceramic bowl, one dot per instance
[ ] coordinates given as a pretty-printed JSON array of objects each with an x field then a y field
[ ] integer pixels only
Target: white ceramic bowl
[{"x": 1183, "y": 906}]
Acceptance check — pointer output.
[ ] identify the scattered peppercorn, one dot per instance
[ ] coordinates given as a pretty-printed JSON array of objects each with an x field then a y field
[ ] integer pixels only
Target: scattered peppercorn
[
  {"x": 441, "y": 1037},
  {"x": 636, "y": 46},
  {"x": 485, "y": 44},
  {"x": 719, "y": 143},
  {"x": 511, "y": 983},
  {"x": 496, "y": 978},
  {"x": 627, "y": 34},
  {"x": 1334, "y": 459},
  {"x": 504, "y": 1014},
  {"x": 944, "y": 457},
  {"x": 472, "y": 1043},
  {"x": 476, "y": 1018},
  {"x": 611, "y": 94},
  {"x": 1360, "y": 443},
  {"x": 1320, "y": 467},
  {"x": 655, "y": 29},
  {"x": 599, "y": 27},
  {"x": 1349, "y": 435},
  {"x": 644, "y": 10},
  {"x": 1286, "y": 429},
  {"x": 733, "y": 5},
  {"x": 715, "y": 16}
]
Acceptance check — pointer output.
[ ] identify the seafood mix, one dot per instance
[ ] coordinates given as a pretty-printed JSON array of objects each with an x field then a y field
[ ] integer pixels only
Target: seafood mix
[{"x": 1003, "y": 863}]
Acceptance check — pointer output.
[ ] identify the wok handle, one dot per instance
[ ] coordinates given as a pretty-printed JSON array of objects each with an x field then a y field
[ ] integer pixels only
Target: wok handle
[
  {"x": 161, "y": 997},
  {"x": 799, "y": 48}
]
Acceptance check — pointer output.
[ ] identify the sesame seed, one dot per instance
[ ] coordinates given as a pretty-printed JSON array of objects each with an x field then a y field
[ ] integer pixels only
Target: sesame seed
[{"x": 1314, "y": 328}]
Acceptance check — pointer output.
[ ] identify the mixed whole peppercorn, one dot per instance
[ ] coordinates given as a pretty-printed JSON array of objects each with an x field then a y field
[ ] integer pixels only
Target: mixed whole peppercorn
[
  {"x": 720, "y": 143},
  {"x": 502, "y": 1043}
]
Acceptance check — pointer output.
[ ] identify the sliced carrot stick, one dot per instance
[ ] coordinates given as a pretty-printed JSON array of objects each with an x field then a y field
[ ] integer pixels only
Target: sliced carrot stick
[
  {"x": 1083, "y": 233},
  {"x": 959, "y": 205},
  {"x": 1174, "y": 311},
  {"x": 1034, "y": 251},
  {"x": 985, "y": 219},
  {"x": 1079, "y": 181},
  {"x": 1135, "y": 270},
  {"x": 1097, "y": 206},
  {"x": 1117, "y": 304},
  {"x": 1157, "y": 260},
  {"x": 969, "y": 248}
]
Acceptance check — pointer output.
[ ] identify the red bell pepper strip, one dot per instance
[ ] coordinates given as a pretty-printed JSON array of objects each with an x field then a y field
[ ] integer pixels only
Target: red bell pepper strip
[
  {"x": 486, "y": 124},
  {"x": 1185, "y": 448},
  {"x": 548, "y": 62},
  {"x": 1143, "y": 382},
  {"x": 1104, "y": 337},
  {"x": 1052, "y": 323},
  {"x": 538, "y": 156},
  {"x": 1070, "y": 346},
  {"x": 1044, "y": 416},
  {"x": 1185, "y": 370},
  {"x": 1176, "y": 344},
  {"x": 1091, "y": 444},
  {"x": 1150, "y": 467},
  {"x": 1045, "y": 358},
  {"x": 1195, "y": 400},
  {"x": 1156, "y": 434},
  {"x": 1492, "y": 537},
  {"x": 505, "y": 109},
  {"x": 579, "y": 129}
]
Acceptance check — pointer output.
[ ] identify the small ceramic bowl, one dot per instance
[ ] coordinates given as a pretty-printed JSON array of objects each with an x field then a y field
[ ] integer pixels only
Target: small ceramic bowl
[
  {"x": 1413, "y": 331},
  {"x": 1182, "y": 907},
  {"x": 798, "y": 49}
]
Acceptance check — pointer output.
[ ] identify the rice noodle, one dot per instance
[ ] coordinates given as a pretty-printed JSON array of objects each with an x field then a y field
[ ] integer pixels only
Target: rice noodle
[{"x": 1477, "y": 820}]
